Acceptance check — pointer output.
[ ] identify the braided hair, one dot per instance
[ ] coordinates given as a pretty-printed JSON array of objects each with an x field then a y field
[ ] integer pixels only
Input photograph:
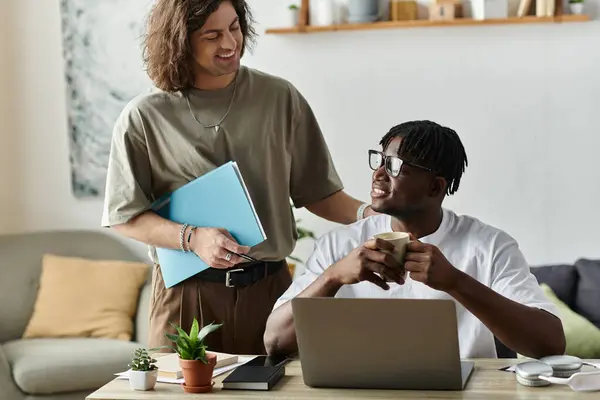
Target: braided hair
[{"x": 431, "y": 145}]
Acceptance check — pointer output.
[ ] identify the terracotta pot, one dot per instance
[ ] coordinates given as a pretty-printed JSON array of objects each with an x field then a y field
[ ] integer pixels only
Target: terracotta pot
[{"x": 196, "y": 374}]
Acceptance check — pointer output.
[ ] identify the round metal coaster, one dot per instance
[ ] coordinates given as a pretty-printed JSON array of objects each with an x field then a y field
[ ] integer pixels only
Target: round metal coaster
[
  {"x": 528, "y": 373},
  {"x": 563, "y": 366}
]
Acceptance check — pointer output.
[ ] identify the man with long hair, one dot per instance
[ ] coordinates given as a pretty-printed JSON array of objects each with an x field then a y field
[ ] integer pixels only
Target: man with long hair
[
  {"x": 453, "y": 257},
  {"x": 206, "y": 110}
]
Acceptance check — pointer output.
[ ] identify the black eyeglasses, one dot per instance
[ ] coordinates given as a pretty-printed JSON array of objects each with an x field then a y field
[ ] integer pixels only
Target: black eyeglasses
[{"x": 393, "y": 164}]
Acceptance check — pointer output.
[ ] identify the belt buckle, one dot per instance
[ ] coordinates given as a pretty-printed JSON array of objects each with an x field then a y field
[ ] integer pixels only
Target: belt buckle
[{"x": 228, "y": 276}]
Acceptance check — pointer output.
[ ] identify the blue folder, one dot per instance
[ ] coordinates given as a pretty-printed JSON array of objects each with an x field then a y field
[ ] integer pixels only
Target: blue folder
[{"x": 217, "y": 199}]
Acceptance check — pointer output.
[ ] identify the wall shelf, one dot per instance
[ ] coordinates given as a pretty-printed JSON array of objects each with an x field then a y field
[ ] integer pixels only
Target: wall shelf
[{"x": 423, "y": 23}]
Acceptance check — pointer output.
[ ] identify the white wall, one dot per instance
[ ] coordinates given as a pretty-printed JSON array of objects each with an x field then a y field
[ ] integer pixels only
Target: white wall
[
  {"x": 523, "y": 98},
  {"x": 5, "y": 142}
]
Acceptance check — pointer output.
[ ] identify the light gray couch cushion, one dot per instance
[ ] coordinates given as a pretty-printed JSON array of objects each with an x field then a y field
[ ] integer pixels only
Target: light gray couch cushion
[
  {"x": 8, "y": 390},
  {"x": 21, "y": 263},
  {"x": 47, "y": 366}
]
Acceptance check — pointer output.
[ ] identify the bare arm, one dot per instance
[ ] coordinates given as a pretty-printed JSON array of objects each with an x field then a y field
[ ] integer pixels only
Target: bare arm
[
  {"x": 365, "y": 263},
  {"x": 280, "y": 334},
  {"x": 527, "y": 330},
  {"x": 210, "y": 244},
  {"x": 152, "y": 229},
  {"x": 338, "y": 207}
]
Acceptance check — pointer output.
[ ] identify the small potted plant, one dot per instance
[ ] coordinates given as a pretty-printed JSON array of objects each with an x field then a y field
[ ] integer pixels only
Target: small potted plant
[
  {"x": 293, "y": 14},
  {"x": 576, "y": 6},
  {"x": 197, "y": 365},
  {"x": 143, "y": 371}
]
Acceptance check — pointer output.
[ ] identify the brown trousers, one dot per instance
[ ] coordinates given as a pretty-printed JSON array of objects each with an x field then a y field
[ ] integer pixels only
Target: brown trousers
[{"x": 243, "y": 311}]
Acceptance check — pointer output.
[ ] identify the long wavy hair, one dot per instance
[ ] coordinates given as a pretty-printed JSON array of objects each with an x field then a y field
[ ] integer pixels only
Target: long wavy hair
[{"x": 167, "y": 52}]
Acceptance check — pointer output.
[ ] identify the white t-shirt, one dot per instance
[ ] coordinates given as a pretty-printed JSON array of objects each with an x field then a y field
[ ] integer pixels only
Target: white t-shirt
[{"x": 486, "y": 253}]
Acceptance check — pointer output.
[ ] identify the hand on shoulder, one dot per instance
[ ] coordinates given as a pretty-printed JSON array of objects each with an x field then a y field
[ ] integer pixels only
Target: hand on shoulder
[{"x": 369, "y": 212}]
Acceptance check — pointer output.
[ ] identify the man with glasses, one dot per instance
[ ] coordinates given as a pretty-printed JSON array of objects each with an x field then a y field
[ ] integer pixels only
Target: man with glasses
[{"x": 450, "y": 257}]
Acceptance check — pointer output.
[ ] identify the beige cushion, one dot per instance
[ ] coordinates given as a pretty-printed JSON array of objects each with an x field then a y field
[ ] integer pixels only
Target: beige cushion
[
  {"x": 86, "y": 298},
  {"x": 46, "y": 366}
]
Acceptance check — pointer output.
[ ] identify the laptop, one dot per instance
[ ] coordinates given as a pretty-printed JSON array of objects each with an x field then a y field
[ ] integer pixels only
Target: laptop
[{"x": 407, "y": 344}]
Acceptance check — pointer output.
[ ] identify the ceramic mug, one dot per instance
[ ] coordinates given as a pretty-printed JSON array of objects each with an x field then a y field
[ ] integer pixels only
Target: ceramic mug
[{"x": 400, "y": 240}]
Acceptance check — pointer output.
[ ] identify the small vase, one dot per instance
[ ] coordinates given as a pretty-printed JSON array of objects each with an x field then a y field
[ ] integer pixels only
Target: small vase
[
  {"x": 361, "y": 11},
  {"x": 293, "y": 19},
  {"x": 576, "y": 8},
  {"x": 489, "y": 9},
  {"x": 142, "y": 380},
  {"x": 197, "y": 375},
  {"x": 322, "y": 12}
]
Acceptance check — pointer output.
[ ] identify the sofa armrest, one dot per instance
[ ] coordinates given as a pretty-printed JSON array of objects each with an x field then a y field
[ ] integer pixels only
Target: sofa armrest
[
  {"x": 142, "y": 318},
  {"x": 8, "y": 387}
]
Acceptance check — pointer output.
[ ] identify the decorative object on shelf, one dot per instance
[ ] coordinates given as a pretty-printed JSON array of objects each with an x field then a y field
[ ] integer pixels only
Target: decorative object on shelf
[
  {"x": 143, "y": 371},
  {"x": 489, "y": 9},
  {"x": 197, "y": 365},
  {"x": 303, "y": 27},
  {"x": 293, "y": 15},
  {"x": 576, "y": 7},
  {"x": 303, "y": 20},
  {"x": 403, "y": 10},
  {"x": 362, "y": 10},
  {"x": 545, "y": 8},
  {"x": 444, "y": 10},
  {"x": 524, "y": 8},
  {"x": 322, "y": 12}
]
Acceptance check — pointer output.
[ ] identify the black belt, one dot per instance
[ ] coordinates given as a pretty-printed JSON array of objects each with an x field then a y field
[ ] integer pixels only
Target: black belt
[{"x": 243, "y": 274}]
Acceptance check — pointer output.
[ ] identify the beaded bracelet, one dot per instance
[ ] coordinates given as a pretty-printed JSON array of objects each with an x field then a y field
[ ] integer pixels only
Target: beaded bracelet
[
  {"x": 181, "y": 238},
  {"x": 360, "y": 213}
]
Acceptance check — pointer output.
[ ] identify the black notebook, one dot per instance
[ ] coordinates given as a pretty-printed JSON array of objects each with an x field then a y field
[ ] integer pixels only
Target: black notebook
[{"x": 250, "y": 377}]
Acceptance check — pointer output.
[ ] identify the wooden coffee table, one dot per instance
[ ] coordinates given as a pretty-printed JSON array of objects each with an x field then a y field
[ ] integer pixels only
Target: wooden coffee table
[{"x": 486, "y": 382}]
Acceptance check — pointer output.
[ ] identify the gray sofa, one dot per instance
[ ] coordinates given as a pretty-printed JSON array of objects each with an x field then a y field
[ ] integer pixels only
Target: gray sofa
[
  {"x": 577, "y": 285},
  {"x": 56, "y": 368}
]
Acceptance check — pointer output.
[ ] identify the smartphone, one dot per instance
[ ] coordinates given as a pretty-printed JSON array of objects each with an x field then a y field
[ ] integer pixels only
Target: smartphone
[{"x": 267, "y": 361}]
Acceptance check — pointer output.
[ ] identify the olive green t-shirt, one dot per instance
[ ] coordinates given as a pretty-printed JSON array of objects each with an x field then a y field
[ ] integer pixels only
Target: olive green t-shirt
[{"x": 270, "y": 131}]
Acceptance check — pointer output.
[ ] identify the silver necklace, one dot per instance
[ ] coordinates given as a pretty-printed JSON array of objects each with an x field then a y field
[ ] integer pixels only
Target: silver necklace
[{"x": 216, "y": 126}]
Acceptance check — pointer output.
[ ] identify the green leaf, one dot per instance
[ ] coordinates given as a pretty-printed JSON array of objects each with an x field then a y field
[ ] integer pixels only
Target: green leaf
[
  {"x": 184, "y": 353},
  {"x": 172, "y": 337},
  {"x": 208, "y": 329},
  {"x": 194, "y": 331},
  {"x": 182, "y": 343},
  {"x": 160, "y": 348},
  {"x": 181, "y": 332}
]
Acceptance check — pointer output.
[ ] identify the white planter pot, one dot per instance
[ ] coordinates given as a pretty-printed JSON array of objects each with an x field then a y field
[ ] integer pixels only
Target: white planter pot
[
  {"x": 322, "y": 12},
  {"x": 293, "y": 17},
  {"x": 143, "y": 380},
  {"x": 576, "y": 8},
  {"x": 489, "y": 9}
]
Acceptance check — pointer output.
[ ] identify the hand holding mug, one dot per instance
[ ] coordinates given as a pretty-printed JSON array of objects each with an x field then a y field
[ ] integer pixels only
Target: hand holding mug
[
  {"x": 428, "y": 265},
  {"x": 399, "y": 240},
  {"x": 372, "y": 261}
]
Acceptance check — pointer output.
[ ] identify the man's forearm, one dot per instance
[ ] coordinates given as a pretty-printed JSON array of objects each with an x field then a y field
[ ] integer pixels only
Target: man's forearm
[
  {"x": 339, "y": 207},
  {"x": 152, "y": 229},
  {"x": 280, "y": 334},
  {"x": 528, "y": 331}
]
